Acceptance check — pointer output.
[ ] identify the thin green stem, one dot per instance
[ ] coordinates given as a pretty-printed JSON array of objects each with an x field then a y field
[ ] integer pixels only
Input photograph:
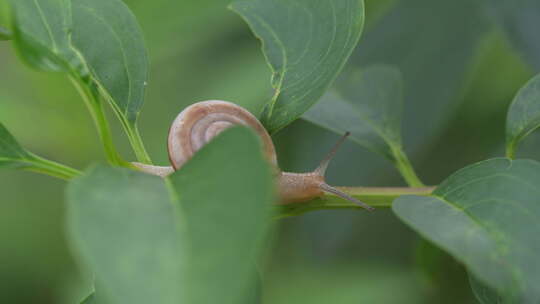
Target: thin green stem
[
  {"x": 378, "y": 197},
  {"x": 511, "y": 150},
  {"x": 135, "y": 140},
  {"x": 132, "y": 132},
  {"x": 45, "y": 166},
  {"x": 405, "y": 168},
  {"x": 5, "y": 34},
  {"x": 138, "y": 146},
  {"x": 95, "y": 106}
]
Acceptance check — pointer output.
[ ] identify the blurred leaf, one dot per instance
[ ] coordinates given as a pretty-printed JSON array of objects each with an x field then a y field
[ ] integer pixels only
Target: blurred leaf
[
  {"x": 11, "y": 153},
  {"x": 484, "y": 294},
  {"x": 523, "y": 115},
  {"x": 91, "y": 299},
  {"x": 306, "y": 43},
  {"x": 226, "y": 192},
  {"x": 41, "y": 33},
  {"x": 108, "y": 36},
  {"x": 127, "y": 229},
  {"x": 520, "y": 19},
  {"x": 369, "y": 105},
  {"x": 432, "y": 50},
  {"x": 3, "y": 13},
  {"x": 371, "y": 110},
  {"x": 486, "y": 216},
  {"x": 447, "y": 277},
  {"x": 343, "y": 282},
  {"x": 5, "y": 34}
]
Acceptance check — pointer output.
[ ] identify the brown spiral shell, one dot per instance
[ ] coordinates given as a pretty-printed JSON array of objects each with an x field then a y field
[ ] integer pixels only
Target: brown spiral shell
[{"x": 196, "y": 125}]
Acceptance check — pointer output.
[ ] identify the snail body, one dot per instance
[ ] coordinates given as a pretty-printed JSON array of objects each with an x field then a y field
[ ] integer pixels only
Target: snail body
[{"x": 196, "y": 125}]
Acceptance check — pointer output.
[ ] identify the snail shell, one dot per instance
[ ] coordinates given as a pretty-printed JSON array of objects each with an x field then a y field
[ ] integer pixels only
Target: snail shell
[{"x": 199, "y": 123}]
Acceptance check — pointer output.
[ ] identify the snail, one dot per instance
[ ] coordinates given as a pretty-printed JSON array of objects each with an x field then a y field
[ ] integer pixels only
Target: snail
[{"x": 199, "y": 123}]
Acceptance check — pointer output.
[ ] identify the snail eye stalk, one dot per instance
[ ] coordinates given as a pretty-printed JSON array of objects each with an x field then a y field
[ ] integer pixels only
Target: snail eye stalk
[{"x": 321, "y": 171}]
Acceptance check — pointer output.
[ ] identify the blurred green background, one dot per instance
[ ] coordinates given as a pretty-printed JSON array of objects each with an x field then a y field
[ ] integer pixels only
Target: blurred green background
[{"x": 461, "y": 71}]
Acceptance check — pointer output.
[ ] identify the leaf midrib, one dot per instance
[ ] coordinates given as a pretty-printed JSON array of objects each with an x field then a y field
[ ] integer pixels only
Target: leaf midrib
[{"x": 47, "y": 27}]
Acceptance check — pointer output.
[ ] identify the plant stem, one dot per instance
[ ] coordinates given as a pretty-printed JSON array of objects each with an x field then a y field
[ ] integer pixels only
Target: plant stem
[
  {"x": 511, "y": 150},
  {"x": 405, "y": 168},
  {"x": 135, "y": 140},
  {"x": 94, "y": 105},
  {"x": 45, "y": 166},
  {"x": 5, "y": 34},
  {"x": 374, "y": 196},
  {"x": 138, "y": 146}
]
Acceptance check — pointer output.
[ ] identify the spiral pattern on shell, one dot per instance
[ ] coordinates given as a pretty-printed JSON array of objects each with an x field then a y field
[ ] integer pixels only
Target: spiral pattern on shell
[{"x": 196, "y": 125}]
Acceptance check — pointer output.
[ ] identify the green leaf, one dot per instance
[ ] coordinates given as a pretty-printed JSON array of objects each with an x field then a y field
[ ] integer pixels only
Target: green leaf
[
  {"x": 486, "y": 216},
  {"x": 100, "y": 45},
  {"x": 12, "y": 155},
  {"x": 368, "y": 104},
  {"x": 129, "y": 231},
  {"x": 41, "y": 34},
  {"x": 439, "y": 268},
  {"x": 107, "y": 35},
  {"x": 306, "y": 43},
  {"x": 75, "y": 36},
  {"x": 226, "y": 192},
  {"x": 523, "y": 115},
  {"x": 520, "y": 19},
  {"x": 484, "y": 294},
  {"x": 415, "y": 36},
  {"x": 194, "y": 242}
]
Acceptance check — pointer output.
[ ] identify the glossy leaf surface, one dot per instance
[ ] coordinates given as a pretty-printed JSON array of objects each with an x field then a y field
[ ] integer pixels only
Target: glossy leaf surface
[
  {"x": 110, "y": 40},
  {"x": 306, "y": 43},
  {"x": 486, "y": 216}
]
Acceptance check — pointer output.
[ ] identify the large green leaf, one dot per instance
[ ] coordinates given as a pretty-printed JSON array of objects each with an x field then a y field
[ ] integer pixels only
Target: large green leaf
[
  {"x": 126, "y": 227},
  {"x": 523, "y": 115},
  {"x": 98, "y": 42},
  {"x": 11, "y": 153},
  {"x": 520, "y": 19},
  {"x": 369, "y": 105},
  {"x": 306, "y": 43},
  {"x": 195, "y": 242},
  {"x": 486, "y": 216},
  {"x": 108, "y": 36},
  {"x": 226, "y": 194}
]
